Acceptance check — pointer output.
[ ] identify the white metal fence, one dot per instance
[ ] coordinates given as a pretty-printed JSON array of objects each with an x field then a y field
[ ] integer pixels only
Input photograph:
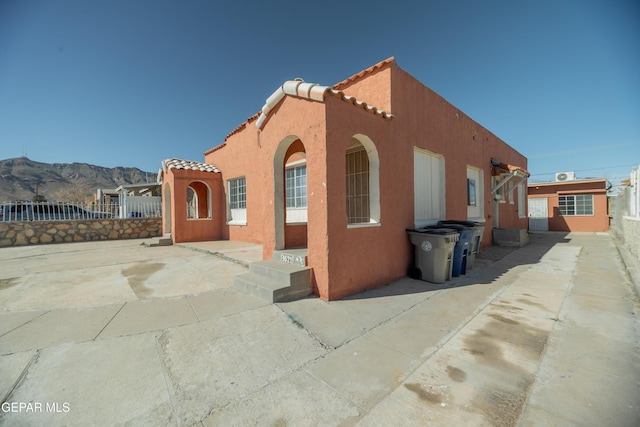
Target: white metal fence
[{"x": 58, "y": 211}]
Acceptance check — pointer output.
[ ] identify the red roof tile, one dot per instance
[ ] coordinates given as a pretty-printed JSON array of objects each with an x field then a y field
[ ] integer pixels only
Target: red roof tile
[{"x": 363, "y": 73}]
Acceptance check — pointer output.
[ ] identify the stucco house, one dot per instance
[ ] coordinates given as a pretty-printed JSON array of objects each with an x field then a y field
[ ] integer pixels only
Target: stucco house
[
  {"x": 330, "y": 177},
  {"x": 569, "y": 204}
]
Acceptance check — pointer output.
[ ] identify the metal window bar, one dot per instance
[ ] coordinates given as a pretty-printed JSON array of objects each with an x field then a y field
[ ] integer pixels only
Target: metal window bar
[{"x": 357, "y": 186}]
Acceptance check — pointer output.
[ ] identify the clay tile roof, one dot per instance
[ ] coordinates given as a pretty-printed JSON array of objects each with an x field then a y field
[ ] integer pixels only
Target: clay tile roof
[
  {"x": 313, "y": 92},
  {"x": 359, "y": 103},
  {"x": 188, "y": 165},
  {"x": 243, "y": 125},
  {"x": 363, "y": 73}
]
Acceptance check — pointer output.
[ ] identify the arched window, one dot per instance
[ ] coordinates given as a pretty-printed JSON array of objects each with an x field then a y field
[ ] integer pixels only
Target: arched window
[
  {"x": 363, "y": 182},
  {"x": 198, "y": 201}
]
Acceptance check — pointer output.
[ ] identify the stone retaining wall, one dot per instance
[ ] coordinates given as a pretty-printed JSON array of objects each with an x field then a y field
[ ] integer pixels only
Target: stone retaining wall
[
  {"x": 39, "y": 232},
  {"x": 630, "y": 235}
]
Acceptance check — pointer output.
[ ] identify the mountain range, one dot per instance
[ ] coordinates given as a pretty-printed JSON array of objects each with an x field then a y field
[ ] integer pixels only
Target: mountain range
[{"x": 23, "y": 179}]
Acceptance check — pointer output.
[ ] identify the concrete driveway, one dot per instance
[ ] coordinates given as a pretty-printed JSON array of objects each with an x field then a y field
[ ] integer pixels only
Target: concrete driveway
[{"x": 116, "y": 333}]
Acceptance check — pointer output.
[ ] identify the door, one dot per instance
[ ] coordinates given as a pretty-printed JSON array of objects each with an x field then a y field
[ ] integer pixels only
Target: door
[{"x": 538, "y": 214}]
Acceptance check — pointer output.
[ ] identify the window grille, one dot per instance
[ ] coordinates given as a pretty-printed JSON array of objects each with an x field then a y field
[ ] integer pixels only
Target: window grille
[
  {"x": 237, "y": 193},
  {"x": 296, "y": 185},
  {"x": 357, "y": 186},
  {"x": 574, "y": 205}
]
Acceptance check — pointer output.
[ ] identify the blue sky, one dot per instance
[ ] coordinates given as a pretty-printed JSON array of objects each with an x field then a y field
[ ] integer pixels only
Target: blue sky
[{"x": 133, "y": 82}]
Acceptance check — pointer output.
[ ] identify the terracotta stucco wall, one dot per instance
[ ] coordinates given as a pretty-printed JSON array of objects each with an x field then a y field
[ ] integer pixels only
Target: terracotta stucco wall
[
  {"x": 346, "y": 259},
  {"x": 374, "y": 255},
  {"x": 597, "y": 222},
  {"x": 366, "y": 256},
  {"x": 193, "y": 230},
  {"x": 252, "y": 152},
  {"x": 375, "y": 89},
  {"x": 426, "y": 120}
]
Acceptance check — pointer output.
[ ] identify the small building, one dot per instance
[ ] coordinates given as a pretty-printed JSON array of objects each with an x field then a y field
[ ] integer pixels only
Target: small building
[
  {"x": 568, "y": 204},
  {"x": 340, "y": 172},
  {"x": 130, "y": 200}
]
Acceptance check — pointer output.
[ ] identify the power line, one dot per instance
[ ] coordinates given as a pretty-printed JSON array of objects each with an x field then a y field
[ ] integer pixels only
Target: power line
[{"x": 591, "y": 169}]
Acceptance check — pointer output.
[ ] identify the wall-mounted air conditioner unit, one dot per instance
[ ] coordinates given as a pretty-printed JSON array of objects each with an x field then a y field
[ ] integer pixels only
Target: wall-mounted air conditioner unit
[{"x": 565, "y": 176}]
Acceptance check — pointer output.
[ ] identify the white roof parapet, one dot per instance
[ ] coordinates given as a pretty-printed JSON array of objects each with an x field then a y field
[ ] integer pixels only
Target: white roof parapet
[
  {"x": 188, "y": 165},
  {"x": 314, "y": 92}
]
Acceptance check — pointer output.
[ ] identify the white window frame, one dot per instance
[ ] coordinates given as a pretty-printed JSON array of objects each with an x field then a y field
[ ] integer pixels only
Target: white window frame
[
  {"x": 237, "y": 201},
  {"x": 575, "y": 204},
  {"x": 475, "y": 212},
  {"x": 296, "y": 214}
]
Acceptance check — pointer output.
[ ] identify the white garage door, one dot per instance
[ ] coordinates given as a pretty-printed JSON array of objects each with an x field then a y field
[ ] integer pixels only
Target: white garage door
[{"x": 538, "y": 214}]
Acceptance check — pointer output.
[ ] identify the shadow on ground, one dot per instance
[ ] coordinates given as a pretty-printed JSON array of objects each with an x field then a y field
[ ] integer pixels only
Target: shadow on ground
[{"x": 491, "y": 263}]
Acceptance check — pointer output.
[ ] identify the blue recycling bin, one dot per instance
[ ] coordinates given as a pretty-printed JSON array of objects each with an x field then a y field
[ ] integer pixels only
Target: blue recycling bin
[
  {"x": 462, "y": 248},
  {"x": 478, "y": 227}
]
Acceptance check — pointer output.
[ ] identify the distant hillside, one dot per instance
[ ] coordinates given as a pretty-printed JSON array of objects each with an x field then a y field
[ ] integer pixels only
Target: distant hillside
[{"x": 20, "y": 177}]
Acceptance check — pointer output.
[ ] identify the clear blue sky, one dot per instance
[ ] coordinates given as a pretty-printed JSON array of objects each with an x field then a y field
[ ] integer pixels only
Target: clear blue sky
[{"x": 133, "y": 82}]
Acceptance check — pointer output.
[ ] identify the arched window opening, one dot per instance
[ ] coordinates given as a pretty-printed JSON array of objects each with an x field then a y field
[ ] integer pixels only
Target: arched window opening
[
  {"x": 192, "y": 203},
  {"x": 362, "y": 186},
  {"x": 198, "y": 201}
]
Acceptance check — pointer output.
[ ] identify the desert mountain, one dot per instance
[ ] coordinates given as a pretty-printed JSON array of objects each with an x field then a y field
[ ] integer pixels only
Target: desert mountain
[{"x": 21, "y": 178}]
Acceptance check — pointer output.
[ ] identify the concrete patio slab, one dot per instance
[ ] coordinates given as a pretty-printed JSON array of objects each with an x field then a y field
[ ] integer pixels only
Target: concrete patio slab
[
  {"x": 242, "y": 252},
  {"x": 126, "y": 386},
  {"x": 242, "y": 353},
  {"x": 223, "y": 302},
  {"x": 58, "y": 326},
  {"x": 282, "y": 404},
  {"x": 150, "y": 315},
  {"x": 11, "y": 320},
  {"x": 363, "y": 371},
  {"x": 84, "y": 287},
  {"x": 12, "y": 367},
  {"x": 545, "y": 335}
]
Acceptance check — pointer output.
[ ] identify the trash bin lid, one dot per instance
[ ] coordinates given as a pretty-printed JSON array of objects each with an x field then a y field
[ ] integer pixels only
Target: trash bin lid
[
  {"x": 457, "y": 226},
  {"x": 466, "y": 223},
  {"x": 436, "y": 230}
]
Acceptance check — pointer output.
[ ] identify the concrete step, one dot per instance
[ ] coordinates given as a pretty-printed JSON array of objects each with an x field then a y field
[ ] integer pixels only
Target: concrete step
[
  {"x": 260, "y": 286},
  {"x": 165, "y": 240},
  {"x": 290, "y": 274},
  {"x": 292, "y": 256},
  {"x": 275, "y": 281}
]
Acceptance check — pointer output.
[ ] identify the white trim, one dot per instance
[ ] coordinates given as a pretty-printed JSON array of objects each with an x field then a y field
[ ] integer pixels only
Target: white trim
[
  {"x": 238, "y": 217},
  {"x": 296, "y": 163},
  {"x": 297, "y": 216},
  {"x": 364, "y": 224},
  {"x": 522, "y": 199},
  {"x": 477, "y": 211}
]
